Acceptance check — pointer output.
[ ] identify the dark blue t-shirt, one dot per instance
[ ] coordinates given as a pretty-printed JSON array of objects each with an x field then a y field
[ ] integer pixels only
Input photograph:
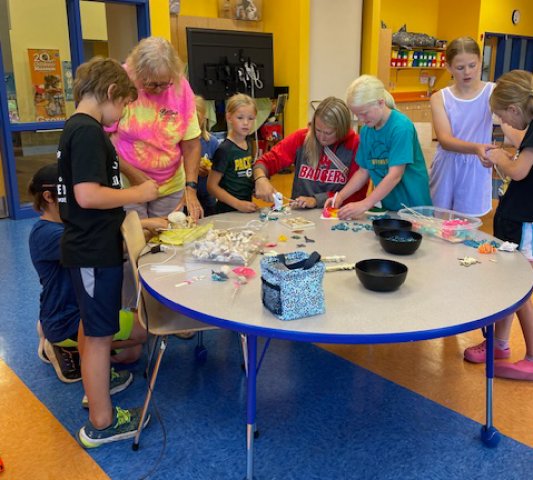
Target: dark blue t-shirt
[{"x": 59, "y": 313}]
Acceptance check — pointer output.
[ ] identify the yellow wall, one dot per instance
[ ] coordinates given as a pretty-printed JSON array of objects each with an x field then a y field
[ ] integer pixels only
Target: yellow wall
[
  {"x": 451, "y": 25},
  {"x": 291, "y": 55},
  {"x": 199, "y": 8},
  {"x": 160, "y": 18},
  {"x": 370, "y": 36},
  {"x": 495, "y": 17},
  {"x": 418, "y": 16}
]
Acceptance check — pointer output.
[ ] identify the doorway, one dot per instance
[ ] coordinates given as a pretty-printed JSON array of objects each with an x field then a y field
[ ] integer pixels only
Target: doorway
[
  {"x": 503, "y": 53},
  {"x": 41, "y": 47}
]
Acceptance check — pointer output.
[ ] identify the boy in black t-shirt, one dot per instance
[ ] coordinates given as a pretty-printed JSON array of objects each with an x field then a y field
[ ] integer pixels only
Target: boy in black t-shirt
[{"x": 90, "y": 201}]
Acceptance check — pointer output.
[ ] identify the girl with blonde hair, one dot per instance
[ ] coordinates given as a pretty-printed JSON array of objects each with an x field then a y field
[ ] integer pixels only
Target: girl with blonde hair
[
  {"x": 323, "y": 155},
  {"x": 389, "y": 154},
  {"x": 512, "y": 101},
  {"x": 230, "y": 178}
]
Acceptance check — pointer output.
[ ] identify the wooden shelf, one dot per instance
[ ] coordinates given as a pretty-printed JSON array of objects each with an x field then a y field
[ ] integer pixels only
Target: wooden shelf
[
  {"x": 417, "y": 68},
  {"x": 431, "y": 49}
]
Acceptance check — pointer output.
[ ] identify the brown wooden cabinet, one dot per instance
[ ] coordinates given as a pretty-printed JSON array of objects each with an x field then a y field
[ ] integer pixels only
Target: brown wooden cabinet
[{"x": 416, "y": 111}]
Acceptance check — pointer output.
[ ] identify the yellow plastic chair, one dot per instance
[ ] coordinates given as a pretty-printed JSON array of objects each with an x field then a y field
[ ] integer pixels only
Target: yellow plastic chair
[{"x": 156, "y": 318}]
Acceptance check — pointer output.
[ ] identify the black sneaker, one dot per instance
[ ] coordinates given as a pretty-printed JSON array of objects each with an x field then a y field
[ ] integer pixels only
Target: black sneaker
[{"x": 65, "y": 360}]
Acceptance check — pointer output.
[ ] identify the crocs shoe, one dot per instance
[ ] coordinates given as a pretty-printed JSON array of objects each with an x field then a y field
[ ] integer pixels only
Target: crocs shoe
[
  {"x": 521, "y": 370},
  {"x": 477, "y": 353}
]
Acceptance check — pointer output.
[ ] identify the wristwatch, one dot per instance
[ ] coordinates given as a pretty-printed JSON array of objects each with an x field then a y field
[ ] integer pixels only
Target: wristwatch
[{"x": 192, "y": 185}]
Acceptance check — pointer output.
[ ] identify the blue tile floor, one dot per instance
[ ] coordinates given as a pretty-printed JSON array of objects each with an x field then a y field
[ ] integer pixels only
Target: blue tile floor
[{"x": 320, "y": 417}]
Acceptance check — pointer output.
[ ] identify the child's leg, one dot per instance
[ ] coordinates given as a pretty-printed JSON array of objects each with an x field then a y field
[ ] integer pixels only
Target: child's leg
[
  {"x": 525, "y": 316},
  {"x": 511, "y": 231},
  {"x": 129, "y": 339},
  {"x": 523, "y": 369},
  {"x": 98, "y": 295},
  {"x": 502, "y": 330},
  {"x": 95, "y": 376}
]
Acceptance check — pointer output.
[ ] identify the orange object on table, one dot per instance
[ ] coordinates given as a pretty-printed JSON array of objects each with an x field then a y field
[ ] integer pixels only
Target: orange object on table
[{"x": 486, "y": 248}]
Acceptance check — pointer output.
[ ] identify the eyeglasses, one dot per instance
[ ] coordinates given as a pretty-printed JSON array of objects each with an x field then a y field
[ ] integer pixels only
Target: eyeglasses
[{"x": 160, "y": 85}]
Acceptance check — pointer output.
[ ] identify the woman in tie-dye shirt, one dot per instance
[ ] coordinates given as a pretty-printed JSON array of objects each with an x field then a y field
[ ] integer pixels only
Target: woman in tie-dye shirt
[{"x": 158, "y": 136}]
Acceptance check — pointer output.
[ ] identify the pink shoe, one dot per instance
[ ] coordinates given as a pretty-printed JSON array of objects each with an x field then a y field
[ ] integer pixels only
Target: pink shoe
[
  {"x": 521, "y": 370},
  {"x": 478, "y": 353}
]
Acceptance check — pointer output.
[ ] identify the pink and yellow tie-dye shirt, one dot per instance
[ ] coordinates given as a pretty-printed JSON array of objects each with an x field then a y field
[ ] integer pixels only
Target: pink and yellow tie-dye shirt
[{"x": 150, "y": 130}]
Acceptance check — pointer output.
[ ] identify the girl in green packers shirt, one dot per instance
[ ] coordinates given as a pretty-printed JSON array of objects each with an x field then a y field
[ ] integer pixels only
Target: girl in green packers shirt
[{"x": 230, "y": 178}]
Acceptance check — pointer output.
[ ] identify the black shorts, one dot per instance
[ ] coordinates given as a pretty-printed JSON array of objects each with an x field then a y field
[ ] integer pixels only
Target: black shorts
[
  {"x": 98, "y": 291},
  {"x": 507, "y": 230}
]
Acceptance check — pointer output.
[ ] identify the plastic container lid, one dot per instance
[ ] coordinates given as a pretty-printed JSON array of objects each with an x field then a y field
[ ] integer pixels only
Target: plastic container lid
[{"x": 440, "y": 222}]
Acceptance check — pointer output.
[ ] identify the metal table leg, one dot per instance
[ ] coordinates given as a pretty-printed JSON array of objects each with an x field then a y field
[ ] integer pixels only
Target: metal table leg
[
  {"x": 489, "y": 434},
  {"x": 251, "y": 348}
]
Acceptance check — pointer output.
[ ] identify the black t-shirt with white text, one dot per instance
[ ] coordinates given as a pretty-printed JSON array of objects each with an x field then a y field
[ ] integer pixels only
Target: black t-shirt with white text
[{"x": 85, "y": 154}]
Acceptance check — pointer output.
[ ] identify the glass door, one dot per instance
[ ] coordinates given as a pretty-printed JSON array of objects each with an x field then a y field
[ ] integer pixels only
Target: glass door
[{"x": 41, "y": 48}]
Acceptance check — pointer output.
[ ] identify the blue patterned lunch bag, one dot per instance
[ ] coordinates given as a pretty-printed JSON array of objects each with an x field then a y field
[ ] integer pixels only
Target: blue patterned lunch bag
[{"x": 292, "y": 285}]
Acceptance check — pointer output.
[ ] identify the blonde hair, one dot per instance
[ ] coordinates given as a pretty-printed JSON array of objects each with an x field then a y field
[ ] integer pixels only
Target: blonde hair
[
  {"x": 462, "y": 45},
  {"x": 335, "y": 115},
  {"x": 514, "y": 88},
  {"x": 201, "y": 109},
  {"x": 97, "y": 75},
  {"x": 239, "y": 100},
  {"x": 367, "y": 89},
  {"x": 154, "y": 57}
]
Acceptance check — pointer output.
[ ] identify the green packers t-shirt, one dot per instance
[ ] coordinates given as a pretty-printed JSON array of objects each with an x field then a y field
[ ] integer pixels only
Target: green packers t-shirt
[{"x": 235, "y": 165}]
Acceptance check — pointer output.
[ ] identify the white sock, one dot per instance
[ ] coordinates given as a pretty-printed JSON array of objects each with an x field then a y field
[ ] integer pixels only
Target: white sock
[{"x": 501, "y": 344}]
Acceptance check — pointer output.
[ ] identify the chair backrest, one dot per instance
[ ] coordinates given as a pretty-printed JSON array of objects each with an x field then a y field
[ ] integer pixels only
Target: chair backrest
[
  {"x": 152, "y": 314},
  {"x": 132, "y": 232}
]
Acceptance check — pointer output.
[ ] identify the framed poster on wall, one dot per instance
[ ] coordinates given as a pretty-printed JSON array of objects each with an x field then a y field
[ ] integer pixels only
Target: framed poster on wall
[
  {"x": 249, "y": 10},
  {"x": 47, "y": 84}
]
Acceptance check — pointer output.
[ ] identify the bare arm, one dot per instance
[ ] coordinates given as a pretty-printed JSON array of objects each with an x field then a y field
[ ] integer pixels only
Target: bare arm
[
  {"x": 356, "y": 209},
  {"x": 517, "y": 169},
  {"x": 514, "y": 136},
  {"x": 355, "y": 183},
  {"x": 94, "y": 195},
  {"x": 263, "y": 188},
  {"x": 134, "y": 175},
  {"x": 444, "y": 132},
  {"x": 214, "y": 188},
  {"x": 192, "y": 150}
]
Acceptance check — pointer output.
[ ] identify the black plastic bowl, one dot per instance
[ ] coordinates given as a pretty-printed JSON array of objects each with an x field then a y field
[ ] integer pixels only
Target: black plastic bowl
[
  {"x": 381, "y": 275},
  {"x": 400, "y": 242},
  {"x": 382, "y": 224}
]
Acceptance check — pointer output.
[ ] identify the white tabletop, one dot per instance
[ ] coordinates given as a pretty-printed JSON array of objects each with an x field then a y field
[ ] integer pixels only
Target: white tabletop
[{"x": 439, "y": 297}]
